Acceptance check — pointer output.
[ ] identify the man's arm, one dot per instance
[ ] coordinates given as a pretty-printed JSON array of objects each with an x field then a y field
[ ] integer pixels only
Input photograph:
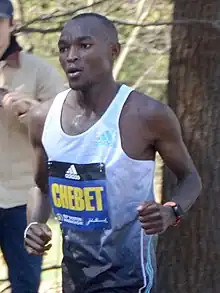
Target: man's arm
[
  {"x": 37, "y": 234},
  {"x": 170, "y": 145},
  {"x": 38, "y": 208},
  {"x": 163, "y": 125}
]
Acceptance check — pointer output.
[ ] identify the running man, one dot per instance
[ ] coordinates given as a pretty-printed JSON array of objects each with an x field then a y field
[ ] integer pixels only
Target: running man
[{"x": 97, "y": 146}]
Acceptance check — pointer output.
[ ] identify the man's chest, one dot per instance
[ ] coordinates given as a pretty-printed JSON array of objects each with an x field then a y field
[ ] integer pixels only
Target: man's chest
[{"x": 132, "y": 132}]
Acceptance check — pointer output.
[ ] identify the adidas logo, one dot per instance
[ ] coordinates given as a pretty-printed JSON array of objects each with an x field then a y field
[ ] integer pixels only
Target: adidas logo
[
  {"x": 71, "y": 173},
  {"x": 105, "y": 139}
]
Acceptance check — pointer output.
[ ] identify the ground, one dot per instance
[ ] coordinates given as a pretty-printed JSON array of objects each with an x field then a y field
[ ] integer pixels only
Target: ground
[{"x": 51, "y": 279}]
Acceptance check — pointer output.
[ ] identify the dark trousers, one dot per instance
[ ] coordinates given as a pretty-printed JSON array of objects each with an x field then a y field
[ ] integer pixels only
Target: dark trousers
[{"x": 24, "y": 270}]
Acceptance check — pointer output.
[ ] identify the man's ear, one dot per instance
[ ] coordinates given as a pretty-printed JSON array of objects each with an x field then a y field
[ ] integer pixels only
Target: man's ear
[{"x": 116, "y": 49}]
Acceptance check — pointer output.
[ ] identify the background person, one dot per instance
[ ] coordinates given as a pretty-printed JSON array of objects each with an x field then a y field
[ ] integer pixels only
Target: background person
[{"x": 25, "y": 80}]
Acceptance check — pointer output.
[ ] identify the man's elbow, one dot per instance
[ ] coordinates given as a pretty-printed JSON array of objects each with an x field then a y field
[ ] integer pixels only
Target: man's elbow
[{"x": 41, "y": 185}]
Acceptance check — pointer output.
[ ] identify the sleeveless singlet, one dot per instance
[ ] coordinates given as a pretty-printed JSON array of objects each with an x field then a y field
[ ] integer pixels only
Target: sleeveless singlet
[{"x": 95, "y": 189}]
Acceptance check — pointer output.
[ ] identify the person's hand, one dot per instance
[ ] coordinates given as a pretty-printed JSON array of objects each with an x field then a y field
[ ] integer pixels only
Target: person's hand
[
  {"x": 17, "y": 103},
  {"x": 37, "y": 238},
  {"x": 155, "y": 218},
  {"x": 3, "y": 92}
]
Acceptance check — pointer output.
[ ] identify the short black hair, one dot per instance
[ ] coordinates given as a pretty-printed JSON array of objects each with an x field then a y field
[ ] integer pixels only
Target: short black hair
[{"x": 112, "y": 31}]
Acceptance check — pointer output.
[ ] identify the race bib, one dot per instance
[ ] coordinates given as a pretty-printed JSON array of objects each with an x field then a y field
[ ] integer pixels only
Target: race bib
[{"x": 78, "y": 195}]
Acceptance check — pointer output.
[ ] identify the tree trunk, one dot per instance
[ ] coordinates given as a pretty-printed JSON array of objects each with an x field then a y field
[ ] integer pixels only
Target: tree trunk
[{"x": 189, "y": 255}]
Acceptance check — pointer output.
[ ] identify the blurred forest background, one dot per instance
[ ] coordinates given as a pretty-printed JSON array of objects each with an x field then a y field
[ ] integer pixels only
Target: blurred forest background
[
  {"x": 171, "y": 51},
  {"x": 144, "y": 59}
]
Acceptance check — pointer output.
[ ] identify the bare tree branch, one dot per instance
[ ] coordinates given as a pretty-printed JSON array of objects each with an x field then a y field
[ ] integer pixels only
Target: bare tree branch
[
  {"x": 141, "y": 16},
  {"x": 90, "y": 4},
  {"x": 20, "y": 19},
  {"x": 148, "y": 71},
  {"x": 38, "y": 30},
  {"x": 55, "y": 15},
  {"x": 214, "y": 24}
]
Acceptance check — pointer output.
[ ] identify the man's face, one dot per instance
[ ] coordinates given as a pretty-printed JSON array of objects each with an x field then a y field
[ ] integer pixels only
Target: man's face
[
  {"x": 5, "y": 34},
  {"x": 85, "y": 53}
]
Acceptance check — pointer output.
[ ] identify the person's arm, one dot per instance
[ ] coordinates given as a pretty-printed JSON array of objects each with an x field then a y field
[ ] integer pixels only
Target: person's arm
[
  {"x": 38, "y": 234},
  {"x": 156, "y": 218},
  {"x": 173, "y": 151},
  {"x": 16, "y": 104},
  {"x": 48, "y": 84},
  {"x": 38, "y": 208}
]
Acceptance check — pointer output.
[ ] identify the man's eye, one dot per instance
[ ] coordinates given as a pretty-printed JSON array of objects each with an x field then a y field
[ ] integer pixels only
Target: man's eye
[
  {"x": 86, "y": 46},
  {"x": 63, "y": 49}
]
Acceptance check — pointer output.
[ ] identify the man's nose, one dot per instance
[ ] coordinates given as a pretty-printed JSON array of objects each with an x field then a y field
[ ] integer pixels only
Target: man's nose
[{"x": 73, "y": 54}]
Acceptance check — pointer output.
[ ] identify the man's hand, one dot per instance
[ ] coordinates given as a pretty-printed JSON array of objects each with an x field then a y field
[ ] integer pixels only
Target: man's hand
[
  {"x": 37, "y": 239},
  {"x": 3, "y": 92},
  {"x": 155, "y": 218},
  {"x": 17, "y": 104}
]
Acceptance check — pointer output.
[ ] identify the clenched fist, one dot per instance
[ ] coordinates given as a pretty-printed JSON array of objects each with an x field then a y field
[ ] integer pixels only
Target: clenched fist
[
  {"x": 155, "y": 218},
  {"x": 17, "y": 104},
  {"x": 36, "y": 239}
]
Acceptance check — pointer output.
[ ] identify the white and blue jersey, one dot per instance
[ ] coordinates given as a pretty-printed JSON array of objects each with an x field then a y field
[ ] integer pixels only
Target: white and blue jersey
[{"x": 95, "y": 189}]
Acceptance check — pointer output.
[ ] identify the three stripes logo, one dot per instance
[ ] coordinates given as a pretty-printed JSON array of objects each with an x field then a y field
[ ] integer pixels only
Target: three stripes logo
[
  {"x": 71, "y": 173},
  {"x": 106, "y": 139}
]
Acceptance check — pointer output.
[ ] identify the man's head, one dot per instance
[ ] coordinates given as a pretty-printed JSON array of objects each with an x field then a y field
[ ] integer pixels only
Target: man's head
[
  {"x": 88, "y": 46},
  {"x": 6, "y": 25}
]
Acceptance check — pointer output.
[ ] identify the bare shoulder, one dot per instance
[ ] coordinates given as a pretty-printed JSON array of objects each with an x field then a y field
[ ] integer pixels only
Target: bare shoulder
[
  {"x": 37, "y": 118},
  {"x": 158, "y": 117},
  {"x": 151, "y": 108}
]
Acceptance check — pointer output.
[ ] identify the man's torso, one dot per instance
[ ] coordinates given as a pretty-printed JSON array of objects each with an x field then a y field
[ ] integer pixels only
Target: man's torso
[{"x": 128, "y": 182}]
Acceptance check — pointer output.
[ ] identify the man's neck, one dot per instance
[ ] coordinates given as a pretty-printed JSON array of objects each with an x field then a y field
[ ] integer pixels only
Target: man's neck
[{"x": 97, "y": 98}]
